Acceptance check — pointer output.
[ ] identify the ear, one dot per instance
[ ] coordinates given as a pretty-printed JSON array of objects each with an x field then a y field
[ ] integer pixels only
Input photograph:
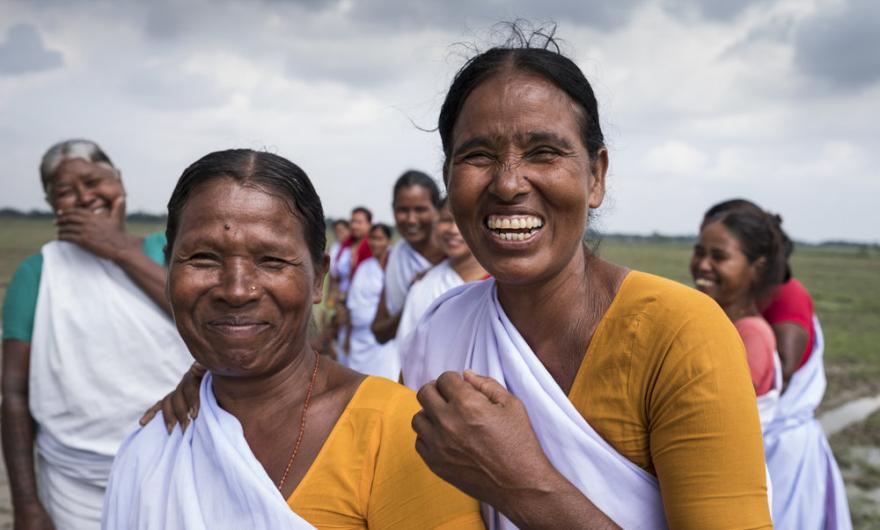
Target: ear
[
  {"x": 320, "y": 275},
  {"x": 599, "y": 168},
  {"x": 757, "y": 268}
]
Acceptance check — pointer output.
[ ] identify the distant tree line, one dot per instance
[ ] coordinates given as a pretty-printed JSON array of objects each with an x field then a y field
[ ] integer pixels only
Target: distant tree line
[{"x": 591, "y": 236}]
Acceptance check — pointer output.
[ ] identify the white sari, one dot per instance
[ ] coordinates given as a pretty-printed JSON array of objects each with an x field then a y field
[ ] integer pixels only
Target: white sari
[
  {"x": 808, "y": 490},
  {"x": 422, "y": 294},
  {"x": 467, "y": 329},
  {"x": 404, "y": 263},
  {"x": 205, "y": 478},
  {"x": 101, "y": 353},
  {"x": 366, "y": 355}
]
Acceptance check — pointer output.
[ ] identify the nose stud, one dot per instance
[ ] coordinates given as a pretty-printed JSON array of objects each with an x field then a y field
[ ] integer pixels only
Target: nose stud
[{"x": 253, "y": 287}]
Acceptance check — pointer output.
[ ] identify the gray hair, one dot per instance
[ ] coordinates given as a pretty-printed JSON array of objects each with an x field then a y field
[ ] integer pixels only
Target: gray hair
[{"x": 66, "y": 150}]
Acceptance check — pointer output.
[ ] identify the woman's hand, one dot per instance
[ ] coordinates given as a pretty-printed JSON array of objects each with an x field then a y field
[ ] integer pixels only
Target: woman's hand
[
  {"x": 32, "y": 517},
  {"x": 476, "y": 435},
  {"x": 103, "y": 236},
  {"x": 182, "y": 403}
]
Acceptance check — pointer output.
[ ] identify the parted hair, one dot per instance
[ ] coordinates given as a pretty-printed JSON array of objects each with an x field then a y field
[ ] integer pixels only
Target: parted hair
[{"x": 271, "y": 173}]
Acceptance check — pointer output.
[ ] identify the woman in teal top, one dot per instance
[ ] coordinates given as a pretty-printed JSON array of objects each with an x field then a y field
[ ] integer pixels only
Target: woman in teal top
[{"x": 85, "y": 191}]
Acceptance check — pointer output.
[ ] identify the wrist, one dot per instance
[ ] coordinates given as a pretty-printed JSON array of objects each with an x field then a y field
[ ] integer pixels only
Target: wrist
[
  {"x": 527, "y": 503},
  {"x": 130, "y": 247}
]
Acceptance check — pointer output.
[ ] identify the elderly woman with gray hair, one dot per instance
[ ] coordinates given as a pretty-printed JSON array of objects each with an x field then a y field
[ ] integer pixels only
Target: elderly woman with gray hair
[{"x": 87, "y": 344}]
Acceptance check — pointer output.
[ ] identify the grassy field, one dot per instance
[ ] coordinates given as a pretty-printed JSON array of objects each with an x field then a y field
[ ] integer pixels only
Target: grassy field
[{"x": 844, "y": 282}]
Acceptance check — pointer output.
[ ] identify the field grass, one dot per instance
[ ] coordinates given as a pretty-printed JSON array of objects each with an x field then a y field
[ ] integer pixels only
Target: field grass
[{"x": 844, "y": 282}]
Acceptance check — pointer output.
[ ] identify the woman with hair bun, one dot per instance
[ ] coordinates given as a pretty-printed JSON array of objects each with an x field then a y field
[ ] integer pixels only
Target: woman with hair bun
[
  {"x": 738, "y": 259},
  {"x": 808, "y": 490}
]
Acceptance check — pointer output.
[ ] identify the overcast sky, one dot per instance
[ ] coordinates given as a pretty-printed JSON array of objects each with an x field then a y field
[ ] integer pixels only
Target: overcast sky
[{"x": 700, "y": 100}]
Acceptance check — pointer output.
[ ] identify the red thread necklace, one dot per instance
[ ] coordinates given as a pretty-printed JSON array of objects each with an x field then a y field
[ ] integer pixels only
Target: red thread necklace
[{"x": 302, "y": 423}]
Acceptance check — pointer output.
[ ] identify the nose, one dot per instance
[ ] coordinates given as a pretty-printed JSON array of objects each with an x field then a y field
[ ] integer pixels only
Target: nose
[
  {"x": 84, "y": 194},
  {"x": 509, "y": 182},
  {"x": 238, "y": 283}
]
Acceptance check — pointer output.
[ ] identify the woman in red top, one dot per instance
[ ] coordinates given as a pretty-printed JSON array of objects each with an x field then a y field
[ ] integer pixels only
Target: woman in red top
[{"x": 739, "y": 258}]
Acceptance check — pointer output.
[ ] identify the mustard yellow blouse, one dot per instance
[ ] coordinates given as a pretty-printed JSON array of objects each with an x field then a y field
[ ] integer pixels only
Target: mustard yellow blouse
[
  {"x": 665, "y": 381},
  {"x": 368, "y": 474}
]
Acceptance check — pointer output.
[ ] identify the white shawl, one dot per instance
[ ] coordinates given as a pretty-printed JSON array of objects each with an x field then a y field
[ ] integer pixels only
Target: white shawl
[
  {"x": 422, "y": 294},
  {"x": 101, "y": 353},
  {"x": 467, "y": 329},
  {"x": 366, "y": 355},
  {"x": 404, "y": 264},
  {"x": 206, "y": 478}
]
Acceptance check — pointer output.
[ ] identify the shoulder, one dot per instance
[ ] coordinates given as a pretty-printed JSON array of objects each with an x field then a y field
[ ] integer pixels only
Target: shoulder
[
  {"x": 20, "y": 301},
  {"x": 391, "y": 400},
  {"x": 154, "y": 247},
  {"x": 664, "y": 301},
  {"x": 141, "y": 450}
]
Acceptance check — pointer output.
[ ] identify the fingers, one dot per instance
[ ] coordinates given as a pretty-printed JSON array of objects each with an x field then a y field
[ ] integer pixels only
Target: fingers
[
  {"x": 179, "y": 406},
  {"x": 117, "y": 210},
  {"x": 489, "y": 387},
  {"x": 150, "y": 413},
  {"x": 189, "y": 387},
  {"x": 451, "y": 384},
  {"x": 430, "y": 399},
  {"x": 168, "y": 413},
  {"x": 421, "y": 424}
]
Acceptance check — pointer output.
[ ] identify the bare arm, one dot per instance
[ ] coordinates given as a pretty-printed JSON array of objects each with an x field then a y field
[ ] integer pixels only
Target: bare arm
[
  {"x": 106, "y": 237},
  {"x": 384, "y": 325},
  {"x": 791, "y": 341},
  {"x": 18, "y": 437}
]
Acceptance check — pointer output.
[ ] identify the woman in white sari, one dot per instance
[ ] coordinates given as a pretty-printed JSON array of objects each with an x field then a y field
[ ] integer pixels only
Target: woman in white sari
[
  {"x": 365, "y": 354},
  {"x": 566, "y": 391}
]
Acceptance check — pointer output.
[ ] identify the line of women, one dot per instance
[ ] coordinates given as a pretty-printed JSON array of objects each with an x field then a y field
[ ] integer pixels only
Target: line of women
[{"x": 563, "y": 392}]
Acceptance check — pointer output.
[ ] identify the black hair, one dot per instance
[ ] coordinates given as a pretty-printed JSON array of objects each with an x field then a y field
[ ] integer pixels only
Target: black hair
[
  {"x": 342, "y": 222},
  {"x": 363, "y": 210},
  {"x": 413, "y": 177},
  {"x": 536, "y": 52},
  {"x": 760, "y": 236},
  {"x": 755, "y": 210},
  {"x": 267, "y": 171},
  {"x": 383, "y": 227}
]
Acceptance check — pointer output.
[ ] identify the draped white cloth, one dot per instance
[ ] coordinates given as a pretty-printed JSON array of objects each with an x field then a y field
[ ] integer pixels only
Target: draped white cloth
[
  {"x": 808, "y": 490},
  {"x": 205, "y": 478},
  {"x": 467, "y": 328},
  {"x": 101, "y": 353},
  {"x": 441, "y": 278},
  {"x": 340, "y": 268},
  {"x": 366, "y": 355},
  {"x": 768, "y": 403},
  {"x": 404, "y": 264}
]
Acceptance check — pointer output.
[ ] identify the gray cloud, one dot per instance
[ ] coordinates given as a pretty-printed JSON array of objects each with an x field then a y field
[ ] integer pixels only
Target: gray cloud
[
  {"x": 24, "y": 52},
  {"x": 715, "y": 10},
  {"x": 840, "y": 47}
]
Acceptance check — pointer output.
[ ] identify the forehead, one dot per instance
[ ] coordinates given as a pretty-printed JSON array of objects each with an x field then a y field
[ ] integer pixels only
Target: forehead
[
  {"x": 358, "y": 216},
  {"x": 414, "y": 195},
  {"x": 514, "y": 104},
  {"x": 715, "y": 234},
  {"x": 74, "y": 168},
  {"x": 224, "y": 202}
]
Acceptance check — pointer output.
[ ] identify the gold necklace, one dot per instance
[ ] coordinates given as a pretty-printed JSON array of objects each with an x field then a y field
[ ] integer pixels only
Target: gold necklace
[{"x": 302, "y": 423}]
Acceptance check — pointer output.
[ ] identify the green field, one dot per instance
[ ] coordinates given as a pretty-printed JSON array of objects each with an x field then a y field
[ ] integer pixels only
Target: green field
[{"x": 845, "y": 283}]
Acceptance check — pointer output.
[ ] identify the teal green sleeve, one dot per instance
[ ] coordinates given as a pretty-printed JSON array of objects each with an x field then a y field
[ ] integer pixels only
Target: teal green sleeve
[
  {"x": 154, "y": 247},
  {"x": 20, "y": 304}
]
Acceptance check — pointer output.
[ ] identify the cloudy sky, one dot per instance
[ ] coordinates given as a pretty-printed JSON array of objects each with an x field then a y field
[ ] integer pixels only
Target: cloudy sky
[{"x": 701, "y": 100}]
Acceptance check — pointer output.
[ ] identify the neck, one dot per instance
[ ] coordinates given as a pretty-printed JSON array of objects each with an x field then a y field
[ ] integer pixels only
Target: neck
[
  {"x": 383, "y": 259},
  {"x": 741, "y": 309},
  {"x": 468, "y": 268},
  {"x": 249, "y": 398},
  {"x": 429, "y": 250}
]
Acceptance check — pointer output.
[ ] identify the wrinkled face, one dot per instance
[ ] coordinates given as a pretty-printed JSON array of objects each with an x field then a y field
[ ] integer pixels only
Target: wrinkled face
[
  {"x": 448, "y": 236},
  {"x": 78, "y": 183},
  {"x": 360, "y": 225},
  {"x": 720, "y": 268},
  {"x": 414, "y": 214},
  {"x": 378, "y": 243},
  {"x": 520, "y": 180},
  {"x": 241, "y": 281},
  {"x": 341, "y": 232}
]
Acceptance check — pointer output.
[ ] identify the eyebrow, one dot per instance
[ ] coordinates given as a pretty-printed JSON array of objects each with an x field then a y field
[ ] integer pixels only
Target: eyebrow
[{"x": 526, "y": 139}]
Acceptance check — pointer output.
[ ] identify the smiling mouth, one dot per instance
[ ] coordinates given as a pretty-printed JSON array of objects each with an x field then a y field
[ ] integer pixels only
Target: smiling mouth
[
  {"x": 514, "y": 227},
  {"x": 237, "y": 327},
  {"x": 704, "y": 282}
]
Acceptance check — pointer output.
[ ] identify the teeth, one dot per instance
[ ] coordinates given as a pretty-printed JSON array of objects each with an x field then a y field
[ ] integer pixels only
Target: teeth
[
  {"x": 703, "y": 282},
  {"x": 498, "y": 222}
]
